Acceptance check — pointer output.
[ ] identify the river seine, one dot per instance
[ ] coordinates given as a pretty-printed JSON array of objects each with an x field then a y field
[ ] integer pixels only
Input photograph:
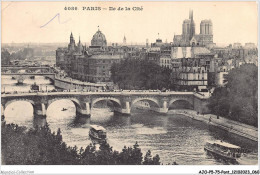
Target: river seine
[{"x": 174, "y": 137}]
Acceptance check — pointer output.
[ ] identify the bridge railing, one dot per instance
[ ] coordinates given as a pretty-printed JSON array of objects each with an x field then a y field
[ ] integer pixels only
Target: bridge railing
[
  {"x": 50, "y": 73},
  {"x": 96, "y": 93}
]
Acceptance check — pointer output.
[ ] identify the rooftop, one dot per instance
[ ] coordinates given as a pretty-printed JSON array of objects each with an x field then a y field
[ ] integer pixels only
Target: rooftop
[
  {"x": 106, "y": 56},
  {"x": 225, "y": 144},
  {"x": 97, "y": 127}
]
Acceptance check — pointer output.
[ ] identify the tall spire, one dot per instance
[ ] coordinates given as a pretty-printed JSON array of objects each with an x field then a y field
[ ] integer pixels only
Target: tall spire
[
  {"x": 124, "y": 40},
  {"x": 71, "y": 38},
  {"x": 192, "y": 24},
  {"x": 79, "y": 39},
  {"x": 191, "y": 15}
]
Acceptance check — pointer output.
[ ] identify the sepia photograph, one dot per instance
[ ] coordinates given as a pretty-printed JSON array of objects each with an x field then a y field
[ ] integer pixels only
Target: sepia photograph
[{"x": 138, "y": 83}]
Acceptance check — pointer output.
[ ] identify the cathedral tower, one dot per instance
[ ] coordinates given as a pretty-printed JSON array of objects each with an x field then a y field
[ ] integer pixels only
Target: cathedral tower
[{"x": 206, "y": 27}]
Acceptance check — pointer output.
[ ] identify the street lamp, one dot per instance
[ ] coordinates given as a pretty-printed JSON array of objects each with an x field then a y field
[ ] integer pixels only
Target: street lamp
[{"x": 46, "y": 88}]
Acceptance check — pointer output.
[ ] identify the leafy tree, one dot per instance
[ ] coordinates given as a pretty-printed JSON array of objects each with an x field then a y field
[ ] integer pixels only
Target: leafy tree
[
  {"x": 218, "y": 103},
  {"x": 140, "y": 74},
  {"x": 39, "y": 146},
  {"x": 130, "y": 156},
  {"x": 239, "y": 99},
  {"x": 88, "y": 155},
  {"x": 148, "y": 158}
]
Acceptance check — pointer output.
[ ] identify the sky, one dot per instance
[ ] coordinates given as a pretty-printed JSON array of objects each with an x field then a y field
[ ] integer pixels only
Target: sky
[{"x": 48, "y": 22}]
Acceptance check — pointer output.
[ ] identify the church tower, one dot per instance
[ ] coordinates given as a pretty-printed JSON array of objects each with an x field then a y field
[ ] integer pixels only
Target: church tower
[
  {"x": 80, "y": 46},
  {"x": 124, "y": 41},
  {"x": 71, "y": 45},
  {"x": 71, "y": 38}
]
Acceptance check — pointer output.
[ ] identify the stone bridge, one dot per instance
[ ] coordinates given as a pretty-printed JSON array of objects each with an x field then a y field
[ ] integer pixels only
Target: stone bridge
[
  {"x": 20, "y": 77},
  {"x": 25, "y": 69},
  {"x": 21, "y": 73},
  {"x": 122, "y": 101}
]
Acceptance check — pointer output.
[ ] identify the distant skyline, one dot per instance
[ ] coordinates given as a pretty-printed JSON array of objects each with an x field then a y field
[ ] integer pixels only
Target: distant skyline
[{"x": 48, "y": 22}]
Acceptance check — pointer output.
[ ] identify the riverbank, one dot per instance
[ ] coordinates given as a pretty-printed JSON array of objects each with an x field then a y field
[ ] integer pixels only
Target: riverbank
[{"x": 241, "y": 129}]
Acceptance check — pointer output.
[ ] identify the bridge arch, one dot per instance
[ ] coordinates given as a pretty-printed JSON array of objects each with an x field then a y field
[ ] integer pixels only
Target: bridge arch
[
  {"x": 152, "y": 102},
  {"x": 78, "y": 107},
  {"x": 180, "y": 103},
  {"x": 116, "y": 102},
  {"x": 2, "y": 110},
  {"x": 11, "y": 107},
  {"x": 74, "y": 101},
  {"x": 21, "y": 99}
]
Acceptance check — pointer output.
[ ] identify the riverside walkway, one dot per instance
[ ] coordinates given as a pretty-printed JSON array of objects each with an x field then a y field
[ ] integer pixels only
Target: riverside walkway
[{"x": 241, "y": 129}]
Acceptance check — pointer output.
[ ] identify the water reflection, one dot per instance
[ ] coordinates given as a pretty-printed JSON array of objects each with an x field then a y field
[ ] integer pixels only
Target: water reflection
[
  {"x": 173, "y": 137},
  {"x": 19, "y": 112}
]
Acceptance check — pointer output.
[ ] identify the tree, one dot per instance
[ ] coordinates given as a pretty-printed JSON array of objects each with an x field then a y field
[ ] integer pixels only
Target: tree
[
  {"x": 149, "y": 160},
  {"x": 140, "y": 74},
  {"x": 130, "y": 156},
  {"x": 239, "y": 99},
  {"x": 40, "y": 146}
]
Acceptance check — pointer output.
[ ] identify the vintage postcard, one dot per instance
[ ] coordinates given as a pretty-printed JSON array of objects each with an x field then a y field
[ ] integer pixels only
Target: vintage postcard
[{"x": 129, "y": 83}]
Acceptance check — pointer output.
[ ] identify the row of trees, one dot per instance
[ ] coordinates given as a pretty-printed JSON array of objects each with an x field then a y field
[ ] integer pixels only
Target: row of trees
[
  {"x": 17, "y": 55},
  {"x": 140, "y": 74},
  {"x": 238, "y": 100},
  {"x": 40, "y": 146}
]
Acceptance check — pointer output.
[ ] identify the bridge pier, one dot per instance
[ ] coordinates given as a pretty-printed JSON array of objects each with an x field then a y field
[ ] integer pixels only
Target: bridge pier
[
  {"x": 162, "y": 110},
  {"x": 40, "y": 110},
  {"x": 84, "y": 112},
  {"x": 125, "y": 111},
  {"x": 2, "y": 113}
]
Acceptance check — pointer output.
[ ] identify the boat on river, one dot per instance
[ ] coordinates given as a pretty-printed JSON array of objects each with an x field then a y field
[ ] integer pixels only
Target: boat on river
[
  {"x": 64, "y": 109},
  {"x": 223, "y": 149},
  {"x": 98, "y": 132}
]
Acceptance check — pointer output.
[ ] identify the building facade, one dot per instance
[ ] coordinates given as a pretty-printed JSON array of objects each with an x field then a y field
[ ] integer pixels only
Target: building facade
[
  {"x": 91, "y": 63},
  {"x": 192, "y": 67}
]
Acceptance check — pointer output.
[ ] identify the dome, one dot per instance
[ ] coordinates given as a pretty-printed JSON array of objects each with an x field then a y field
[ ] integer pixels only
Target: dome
[{"x": 99, "y": 39}]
